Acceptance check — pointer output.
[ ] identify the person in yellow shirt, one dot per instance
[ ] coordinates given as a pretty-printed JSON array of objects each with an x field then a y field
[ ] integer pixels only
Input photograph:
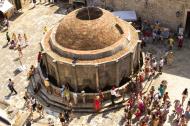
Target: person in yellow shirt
[
  {"x": 14, "y": 37},
  {"x": 67, "y": 94},
  {"x": 171, "y": 43},
  {"x": 48, "y": 86},
  {"x": 45, "y": 29}
]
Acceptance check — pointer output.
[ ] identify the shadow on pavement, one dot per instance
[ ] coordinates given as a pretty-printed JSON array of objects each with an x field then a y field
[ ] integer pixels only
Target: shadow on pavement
[
  {"x": 122, "y": 121},
  {"x": 16, "y": 59},
  {"x": 15, "y": 16},
  {"x": 16, "y": 72},
  {"x": 5, "y": 46},
  {"x": 90, "y": 118},
  {"x": 37, "y": 119},
  {"x": 8, "y": 96}
]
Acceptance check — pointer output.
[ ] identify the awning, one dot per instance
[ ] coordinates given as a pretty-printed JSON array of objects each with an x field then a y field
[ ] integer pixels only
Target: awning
[
  {"x": 126, "y": 15},
  {"x": 79, "y": 1},
  {"x": 5, "y": 6}
]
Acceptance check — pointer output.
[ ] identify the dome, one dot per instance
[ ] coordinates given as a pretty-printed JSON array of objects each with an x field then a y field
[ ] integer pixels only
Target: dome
[{"x": 88, "y": 28}]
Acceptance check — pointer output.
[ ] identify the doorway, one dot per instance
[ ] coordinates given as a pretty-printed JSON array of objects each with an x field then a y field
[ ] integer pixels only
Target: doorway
[{"x": 187, "y": 27}]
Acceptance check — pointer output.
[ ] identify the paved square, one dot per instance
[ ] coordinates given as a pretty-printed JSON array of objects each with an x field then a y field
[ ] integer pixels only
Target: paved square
[{"x": 32, "y": 22}]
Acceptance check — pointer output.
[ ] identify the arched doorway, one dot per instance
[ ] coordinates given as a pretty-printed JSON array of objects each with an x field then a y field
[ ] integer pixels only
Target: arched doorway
[
  {"x": 2, "y": 16},
  {"x": 79, "y": 3},
  {"x": 187, "y": 27}
]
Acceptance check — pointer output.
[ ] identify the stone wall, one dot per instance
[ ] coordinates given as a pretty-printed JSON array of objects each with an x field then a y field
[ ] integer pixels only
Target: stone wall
[
  {"x": 162, "y": 10},
  {"x": 82, "y": 76}
]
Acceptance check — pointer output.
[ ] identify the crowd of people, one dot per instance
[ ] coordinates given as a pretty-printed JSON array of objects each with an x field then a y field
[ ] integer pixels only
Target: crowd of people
[
  {"x": 155, "y": 33},
  {"x": 32, "y": 105},
  {"x": 17, "y": 42},
  {"x": 152, "y": 109}
]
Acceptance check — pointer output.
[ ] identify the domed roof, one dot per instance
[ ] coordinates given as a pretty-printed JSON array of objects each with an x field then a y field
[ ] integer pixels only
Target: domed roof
[{"x": 88, "y": 28}]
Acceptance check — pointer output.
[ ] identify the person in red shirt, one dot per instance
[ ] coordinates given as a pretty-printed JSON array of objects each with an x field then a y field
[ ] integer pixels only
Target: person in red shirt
[
  {"x": 39, "y": 57},
  {"x": 138, "y": 114},
  {"x": 97, "y": 103},
  {"x": 180, "y": 41}
]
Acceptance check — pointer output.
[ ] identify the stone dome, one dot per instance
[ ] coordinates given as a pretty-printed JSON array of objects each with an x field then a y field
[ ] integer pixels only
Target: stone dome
[{"x": 88, "y": 28}]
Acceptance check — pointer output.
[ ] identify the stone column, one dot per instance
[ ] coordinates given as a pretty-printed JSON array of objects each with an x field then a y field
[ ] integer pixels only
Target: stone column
[
  {"x": 117, "y": 72},
  {"x": 56, "y": 72},
  {"x": 46, "y": 62},
  {"x": 139, "y": 52},
  {"x": 97, "y": 78},
  {"x": 132, "y": 66},
  {"x": 75, "y": 77}
]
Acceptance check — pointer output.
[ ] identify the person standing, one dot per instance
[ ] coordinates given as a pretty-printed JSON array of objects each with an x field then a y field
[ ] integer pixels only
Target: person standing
[
  {"x": 67, "y": 94},
  {"x": 34, "y": 2},
  {"x": 50, "y": 122},
  {"x": 171, "y": 43},
  {"x": 48, "y": 86},
  {"x": 152, "y": 90},
  {"x": 75, "y": 98},
  {"x": 62, "y": 119},
  {"x": 155, "y": 120},
  {"x": 154, "y": 65},
  {"x": 45, "y": 30},
  {"x": 8, "y": 37},
  {"x": 184, "y": 95},
  {"x": 63, "y": 92},
  {"x": 165, "y": 97},
  {"x": 66, "y": 116},
  {"x": 113, "y": 92},
  {"x": 40, "y": 110},
  {"x": 83, "y": 96},
  {"x": 176, "y": 104},
  {"x": 129, "y": 116},
  {"x": 101, "y": 96},
  {"x": 179, "y": 111},
  {"x": 20, "y": 39},
  {"x": 161, "y": 64},
  {"x": 11, "y": 86},
  {"x": 180, "y": 41},
  {"x": 31, "y": 72},
  {"x": 161, "y": 90},
  {"x": 20, "y": 51},
  {"x": 170, "y": 57},
  {"x": 113, "y": 95},
  {"x": 34, "y": 104},
  {"x": 25, "y": 39},
  {"x": 28, "y": 122},
  {"x": 97, "y": 102},
  {"x": 183, "y": 121},
  {"x": 14, "y": 37},
  {"x": 12, "y": 44},
  {"x": 39, "y": 56},
  {"x": 7, "y": 23}
]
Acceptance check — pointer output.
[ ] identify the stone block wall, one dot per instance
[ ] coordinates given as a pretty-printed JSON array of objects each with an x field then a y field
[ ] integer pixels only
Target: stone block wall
[{"x": 162, "y": 10}]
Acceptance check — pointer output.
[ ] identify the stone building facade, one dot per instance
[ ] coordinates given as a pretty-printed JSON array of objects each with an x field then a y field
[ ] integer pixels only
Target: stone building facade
[{"x": 170, "y": 13}]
